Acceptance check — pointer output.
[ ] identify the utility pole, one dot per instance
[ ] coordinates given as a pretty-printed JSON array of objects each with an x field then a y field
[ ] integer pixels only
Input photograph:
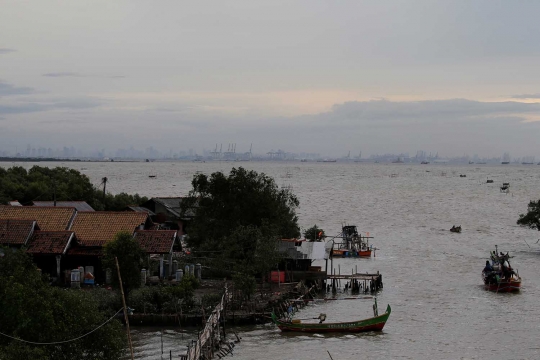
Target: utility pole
[
  {"x": 54, "y": 191},
  {"x": 104, "y": 186},
  {"x": 125, "y": 308}
]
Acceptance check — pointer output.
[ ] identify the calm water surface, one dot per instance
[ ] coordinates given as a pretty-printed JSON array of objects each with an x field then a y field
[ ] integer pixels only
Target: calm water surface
[{"x": 431, "y": 276}]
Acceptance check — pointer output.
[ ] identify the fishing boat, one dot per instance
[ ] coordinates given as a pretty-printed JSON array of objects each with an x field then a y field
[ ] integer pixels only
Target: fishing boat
[
  {"x": 456, "y": 229},
  {"x": 499, "y": 276},
  {"x": 375, "y": 323},
  {"x": 424, "y": 162},
  {"x": 353, "y": 243}
]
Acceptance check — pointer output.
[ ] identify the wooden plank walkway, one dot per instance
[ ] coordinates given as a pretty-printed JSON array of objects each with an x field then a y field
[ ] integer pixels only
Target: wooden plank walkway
[{"x": 354, "y": 277}]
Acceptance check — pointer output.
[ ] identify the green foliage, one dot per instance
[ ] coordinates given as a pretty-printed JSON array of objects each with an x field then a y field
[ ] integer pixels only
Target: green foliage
[
  {"x": 244, "y": 215},
  {"x": 245, "y": 283},
  {"x": 130, "y": 259},
  {"x": 34, "y": 311},
  {"x": 41, "y": 183},
  {"x": 314, "y": 233},
  {"x": 532, "y": 218},
  {"x": 164, "y": 299}
]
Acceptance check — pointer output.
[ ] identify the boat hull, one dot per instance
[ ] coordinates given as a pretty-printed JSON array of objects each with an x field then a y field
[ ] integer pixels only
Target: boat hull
[
  {"x": 351, "y": 253},
  {"x": 372, "y": 324},
  {"x": 502, "y": 286}
]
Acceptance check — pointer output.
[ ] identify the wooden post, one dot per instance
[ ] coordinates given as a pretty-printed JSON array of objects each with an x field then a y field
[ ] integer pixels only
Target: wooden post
[{"x": 125, "y": 308}]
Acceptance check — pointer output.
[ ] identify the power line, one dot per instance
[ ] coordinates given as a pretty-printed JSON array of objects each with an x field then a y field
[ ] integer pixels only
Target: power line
[{"x": 65, "y": 341}]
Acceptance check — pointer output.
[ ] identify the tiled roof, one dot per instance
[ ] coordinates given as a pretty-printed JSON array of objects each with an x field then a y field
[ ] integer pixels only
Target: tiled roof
[
  {"x": 95, "y": 228},
  {"x": 156, "y": 241},
  {"x": 16, "y": 232},
  {"x": 79, "y": 205},
  {"x": 48, "y": 218},
  {"x": 50, "y": 242}
]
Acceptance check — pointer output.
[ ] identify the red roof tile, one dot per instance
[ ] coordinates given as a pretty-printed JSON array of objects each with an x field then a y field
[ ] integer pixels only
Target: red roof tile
[
  {"x": 156, "y": 241},
  {"x": 95, "y": 228},
  {"x": 50, "y": 242},
  {"x": 48, "y": 218},
  {"x": 16, "y": 232}
]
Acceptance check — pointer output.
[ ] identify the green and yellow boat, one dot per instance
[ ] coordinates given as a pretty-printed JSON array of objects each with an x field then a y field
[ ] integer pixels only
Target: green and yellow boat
[{"x": 372, "y": 324}]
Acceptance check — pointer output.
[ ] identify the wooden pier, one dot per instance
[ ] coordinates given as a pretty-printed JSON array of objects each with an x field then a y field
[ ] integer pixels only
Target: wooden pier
[{"x": 356, "y": 282}]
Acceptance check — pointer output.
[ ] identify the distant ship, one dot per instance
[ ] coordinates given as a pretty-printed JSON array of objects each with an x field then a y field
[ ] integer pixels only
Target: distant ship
[
  {"x": 527, "y": 163},
  {"x": 505, "y": 162},
  {"x": 471, "y": 162},
  {"x": 424, "y": 162}
]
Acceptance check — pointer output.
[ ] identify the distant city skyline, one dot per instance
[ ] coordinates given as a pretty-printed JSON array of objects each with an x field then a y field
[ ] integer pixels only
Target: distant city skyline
[{"x": 229, "y": 153}]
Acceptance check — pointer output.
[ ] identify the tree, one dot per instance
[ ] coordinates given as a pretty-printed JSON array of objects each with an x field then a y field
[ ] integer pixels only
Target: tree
[
  {"x": 130, "y": 259},
  {"x": 314, "y": 233},
  {"x": 532, "y": 218},
  {"x": 64, "y": 184},
  {"x": 222, "y": 204},
  {"x": 34, "y": 311}
]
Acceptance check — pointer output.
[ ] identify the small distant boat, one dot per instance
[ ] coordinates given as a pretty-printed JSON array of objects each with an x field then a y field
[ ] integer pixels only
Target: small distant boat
[
  {"x": 483, "y": 163},
  {"x": 471, "y": 162},
  {"x": 505, "y": 188},
  {"x": 372, "y": 324},
  {"x": 527, "y": 163},
  {"x": 424, "y": 162},
  {"x": 151, "y": 176},
  {"x": 505, "y": 162},
  {"x": 500, "y": 277},
  {"x": 462, "y": 175},
  {"x": 456, "y": 229},
  {"x": 489, "y": 181}
]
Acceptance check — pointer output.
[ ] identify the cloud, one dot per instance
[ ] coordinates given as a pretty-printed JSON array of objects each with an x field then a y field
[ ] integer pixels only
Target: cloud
[
  {"x": 8, "y": 89},
  {"x": 6, "y": 50},
  {"x": 75, "y": 74},
  {"x": 67, "y": 104},
  {"x": 526, "y": 96},
  {"x": 63, "y": 74}
]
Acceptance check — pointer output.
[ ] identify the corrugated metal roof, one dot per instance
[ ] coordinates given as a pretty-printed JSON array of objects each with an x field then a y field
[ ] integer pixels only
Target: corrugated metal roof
[{"x": 79, "y": 205}]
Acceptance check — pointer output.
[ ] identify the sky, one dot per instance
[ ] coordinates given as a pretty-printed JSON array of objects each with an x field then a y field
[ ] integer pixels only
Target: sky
[{"x": 453, "y": 77}]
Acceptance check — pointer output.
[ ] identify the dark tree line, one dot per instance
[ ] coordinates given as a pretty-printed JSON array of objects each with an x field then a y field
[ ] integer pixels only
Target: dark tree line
[
  {"x": 239, "y": 221},
  {"x": 43, "y": 184},
  {"x": 34, "y": 311}
]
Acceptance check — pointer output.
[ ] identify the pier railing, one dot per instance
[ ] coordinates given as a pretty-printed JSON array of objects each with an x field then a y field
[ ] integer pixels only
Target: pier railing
[{"x": 205, "y": 343}]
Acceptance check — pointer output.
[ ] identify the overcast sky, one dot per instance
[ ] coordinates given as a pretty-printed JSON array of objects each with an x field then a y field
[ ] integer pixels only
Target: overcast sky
[{"x": 454, "y": 77}]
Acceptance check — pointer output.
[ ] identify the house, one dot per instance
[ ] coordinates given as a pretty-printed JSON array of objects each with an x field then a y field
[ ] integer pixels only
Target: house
[
  {"x": 69, "y": 238},
  {"x": 15, "y": 232},
  {"x": 162, "y": 243},
  {"x": 94, "y": 229},
  {"x": 168, "y": 213},
  {"x": 48, "y": 218},
  {"x": 49, "y": 248},
  {"x": 78, "y": 205}
]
